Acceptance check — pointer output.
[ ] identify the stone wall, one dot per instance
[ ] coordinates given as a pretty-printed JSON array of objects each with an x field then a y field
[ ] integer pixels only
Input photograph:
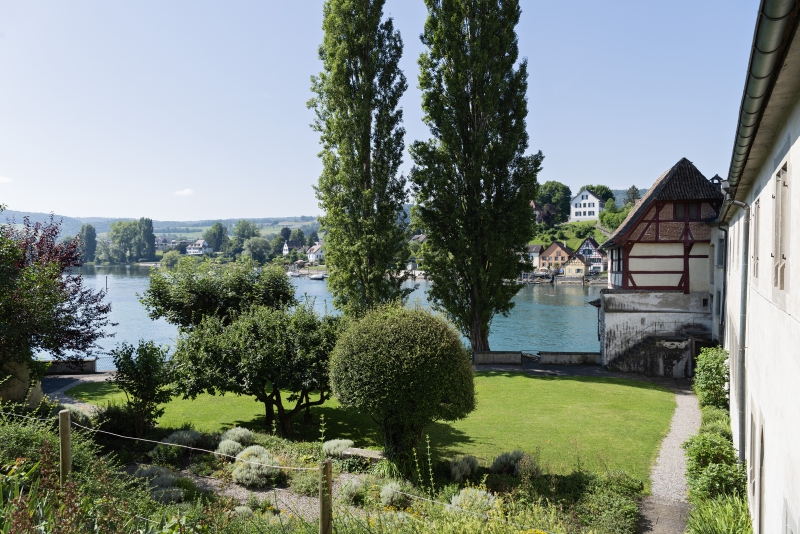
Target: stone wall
[
  {"x": 497, "y": 358},
  {"x": 657, "y": 356},
  {"x": 569, "y": 358}
]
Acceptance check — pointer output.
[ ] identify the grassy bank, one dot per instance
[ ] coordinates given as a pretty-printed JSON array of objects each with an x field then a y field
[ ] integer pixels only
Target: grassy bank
[{"x": 606, "y": 422}]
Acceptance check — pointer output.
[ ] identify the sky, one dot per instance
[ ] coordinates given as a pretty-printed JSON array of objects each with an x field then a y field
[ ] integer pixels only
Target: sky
[{"x": 188, "y": 110}]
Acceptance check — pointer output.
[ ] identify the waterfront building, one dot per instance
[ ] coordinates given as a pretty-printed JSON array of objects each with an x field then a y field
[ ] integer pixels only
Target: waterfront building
[
  {"x": 597, "y": 257},
  {"x": 534, "y": 253},
  {"x": 585, "y": 206},
  {"x": 656, "y": 313},
  {"x": 756, "y": 287},
  {"x": 161, "y": 243},
  {"x": 554, "y": 256},
  {"x": 577, "y": 266},
  {"x": 289, "y": 246},
  {"x": 315, "y": 253},
  {"x": 198, "y": 248}
]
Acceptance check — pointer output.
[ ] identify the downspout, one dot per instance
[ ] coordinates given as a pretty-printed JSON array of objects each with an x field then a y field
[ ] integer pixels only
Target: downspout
[
  {"x": 740, "y": 372},
  {"x": 724, "y": 285}
]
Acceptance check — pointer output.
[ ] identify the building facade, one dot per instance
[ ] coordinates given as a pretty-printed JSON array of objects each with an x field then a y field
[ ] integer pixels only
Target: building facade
[
  {"x": 656, "y": 314},
  {"x": 577, "y": 266},
  {"x": 554, "y": 256},
  {"x": 757, "y": 274},
  {"x": 315, "y": 253},
  {"x": 534, "y": 253},
  {"x": 198, "y": 248},
  {"x": 585, "y": 206},
  {"x": 597, "y": 258}
]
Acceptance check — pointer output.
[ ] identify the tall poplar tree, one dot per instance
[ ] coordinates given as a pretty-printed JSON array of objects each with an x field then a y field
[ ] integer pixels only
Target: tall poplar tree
[
  {"x": 472, "y": 179},
  {"x": 359, "y": 122}
]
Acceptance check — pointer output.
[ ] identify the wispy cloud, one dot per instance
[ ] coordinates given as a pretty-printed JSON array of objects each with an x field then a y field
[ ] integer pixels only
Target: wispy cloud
[
  {"x": 184, "y": 193},
  {"x": 5, "y": 180}
]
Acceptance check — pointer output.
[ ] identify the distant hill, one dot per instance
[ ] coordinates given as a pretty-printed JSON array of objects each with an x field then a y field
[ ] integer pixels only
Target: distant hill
[{"x": 72, "y": 225}]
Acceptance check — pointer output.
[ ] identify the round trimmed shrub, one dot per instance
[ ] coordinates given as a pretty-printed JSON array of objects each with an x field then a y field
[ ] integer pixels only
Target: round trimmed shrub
[
  {"x": 252, "y": 468},
  {"x": 239, "y": 435},
  {"x": 228, "y": 447},
  {"x": 407, "y": 369},
  {"x": 463, "y": 467},
  {"x": 187, "y": 438},
  {"x": 353, "y": 491}
]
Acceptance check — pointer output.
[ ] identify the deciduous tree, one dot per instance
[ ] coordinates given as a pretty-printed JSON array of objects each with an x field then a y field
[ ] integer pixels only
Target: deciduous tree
[
  {"x": 359, "y": 121},
  {"x": 216, "y": 236},
  {"x": 472, "y": 180},
  {"x": 632, "y": 195},
  {"x": 602, "y": 192},
  {"x": 258, "y": 249},
  {"x": 558, "y": 196},
  {"x": 264, "y": 352}
]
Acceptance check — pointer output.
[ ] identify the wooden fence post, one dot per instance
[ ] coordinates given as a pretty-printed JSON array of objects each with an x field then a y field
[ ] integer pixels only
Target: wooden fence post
[
  {"x": 325, "y": 497},
  {"x": 65, "y": 450}
]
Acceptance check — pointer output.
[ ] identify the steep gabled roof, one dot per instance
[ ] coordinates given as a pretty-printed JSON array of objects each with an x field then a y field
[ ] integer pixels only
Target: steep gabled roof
[
  {"x": 594, "y": 244},
  {"x": 681, "y": 182},
  {"x": 533, "y": 249},
  {"x": 562, "y": 245},
  {"x": 579, "y": 257}
]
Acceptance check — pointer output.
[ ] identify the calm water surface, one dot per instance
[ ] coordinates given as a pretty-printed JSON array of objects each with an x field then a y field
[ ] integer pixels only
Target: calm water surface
[{"x": 545, "y": 317}]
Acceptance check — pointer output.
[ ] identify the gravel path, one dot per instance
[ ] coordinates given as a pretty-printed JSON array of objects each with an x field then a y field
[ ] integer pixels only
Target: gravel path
[{"x": 665, "y": 510}]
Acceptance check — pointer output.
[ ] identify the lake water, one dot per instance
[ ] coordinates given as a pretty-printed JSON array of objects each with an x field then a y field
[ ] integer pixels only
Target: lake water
[{"x": 545, "y": 317}]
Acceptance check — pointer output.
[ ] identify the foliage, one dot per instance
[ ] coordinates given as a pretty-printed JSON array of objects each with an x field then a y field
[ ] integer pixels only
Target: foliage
[
  {"x": 712, "y": 414},
  {"x": 632, "y": 195},
  {"x": 336, "y": 447},
  {"x": 377, "y": 360},
  {"x": 473, "y": 192},
  {"x": 386, "y": 469},
  {"x": 703, "y": 450},
  {"x": 556, "y": 196},
  {"x": 88, "y": 239},
  {"x": 216, "y": 236},
  {"x": 44, "y": 305},
  {"x": 353, "y": 491},
  {"x": 507, "y": 462},
  {"x": 359, "y": 122},
  {"x": 257, "y": 249},
  {"x": 166, "y": 455},
  {"x": 728, "y": 514},
  {"x": 305, "y": 483},
  {"x": 187, "y": 438},
  {"x": 603, "y": 192},
  {"x": 196, "y": 290},
  {"x": 143, "y": 373},
  {"x": 463, "y": 467},
  {"x": 474, "y": 500},
  {"x": 238, "y": 434},
  {"x": 228, "y": 447},
  {"x": 719, "y": 428},
  {"x": 392, "y": 494},
  {"x": 262, "y": 352},
  {"x": 716, "y": 480},
  {"x": 711, "y": 377},
  {"x": 612, "y": 219},
  {"x": 170, "y": 259},
  {"x": 252, "y": 468},
  {"x": 131, "y": 240}
]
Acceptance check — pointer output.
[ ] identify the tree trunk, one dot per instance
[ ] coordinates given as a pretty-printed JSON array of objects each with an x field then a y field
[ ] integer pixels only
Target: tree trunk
[{"x": 478, "y": 333}]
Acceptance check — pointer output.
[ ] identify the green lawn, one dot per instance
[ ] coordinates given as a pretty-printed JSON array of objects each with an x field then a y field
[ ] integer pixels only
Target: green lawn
[{"x": 611, "y": 422}]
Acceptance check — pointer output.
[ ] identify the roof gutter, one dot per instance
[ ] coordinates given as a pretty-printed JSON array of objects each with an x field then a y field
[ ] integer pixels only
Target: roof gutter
[{"x": 775, "y": 27}]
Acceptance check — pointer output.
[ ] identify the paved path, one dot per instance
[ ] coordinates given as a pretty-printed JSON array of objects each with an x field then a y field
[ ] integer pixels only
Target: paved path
[
  {"x": 666, "y": 509},
  {"x": 55, "y": 386}
]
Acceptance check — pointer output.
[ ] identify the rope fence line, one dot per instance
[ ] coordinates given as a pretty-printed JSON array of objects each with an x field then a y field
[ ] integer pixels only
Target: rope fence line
[
  {"x": 196, "y": 449},
  {"x": 478, "y": 514},
  {"x": 55, "y": 417}
]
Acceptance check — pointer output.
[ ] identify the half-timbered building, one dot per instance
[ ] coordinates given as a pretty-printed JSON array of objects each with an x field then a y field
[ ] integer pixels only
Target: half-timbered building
[
  {"x": 664, "y": 242},
  {"x": 597, "y": 258},
  {"x": 657, "y": 312}
]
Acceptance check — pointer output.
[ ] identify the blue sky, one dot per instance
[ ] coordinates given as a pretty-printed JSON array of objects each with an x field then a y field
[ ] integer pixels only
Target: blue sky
[{"x": 195, "y": 110}]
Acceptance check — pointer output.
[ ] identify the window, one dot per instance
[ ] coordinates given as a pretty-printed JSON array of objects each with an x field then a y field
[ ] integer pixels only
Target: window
[
  {"x": 720, "y": 251},
  {"x": 781, "y": 250},
  {"x": 679, "y": 211},
  {"x": 719, "y": 302},
  {"x": 693, "y": 211}
]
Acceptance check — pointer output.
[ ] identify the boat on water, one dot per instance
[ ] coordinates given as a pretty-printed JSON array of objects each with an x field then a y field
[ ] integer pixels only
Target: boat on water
[
  {"x": 294, "y": 274},
  {"x": 317, "y": 277}
]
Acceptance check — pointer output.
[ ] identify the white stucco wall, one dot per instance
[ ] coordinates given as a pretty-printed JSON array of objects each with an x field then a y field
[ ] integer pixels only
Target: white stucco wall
[{"x": 772, "y": 364}]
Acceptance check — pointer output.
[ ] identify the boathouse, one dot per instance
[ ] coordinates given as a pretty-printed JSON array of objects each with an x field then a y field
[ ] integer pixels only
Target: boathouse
[{"x": 656, "y": 313}]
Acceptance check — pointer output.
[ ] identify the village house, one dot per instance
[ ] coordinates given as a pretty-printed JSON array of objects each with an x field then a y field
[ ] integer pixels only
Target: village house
[
  {"x": 756, "y": 279},
  {"x": 315, "y": 253},
  {"x": 554, "y": 256},
  {"x": 577, "y": 266},
  {"x": 534, "y": 253},
  {"x": 289, "y": 246},
  {"x": 198, "y": 248},
  {"x": 585, "y": 206},
  {"x": 656, "y": 314},
  {"x": 597, "y": 257}
]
